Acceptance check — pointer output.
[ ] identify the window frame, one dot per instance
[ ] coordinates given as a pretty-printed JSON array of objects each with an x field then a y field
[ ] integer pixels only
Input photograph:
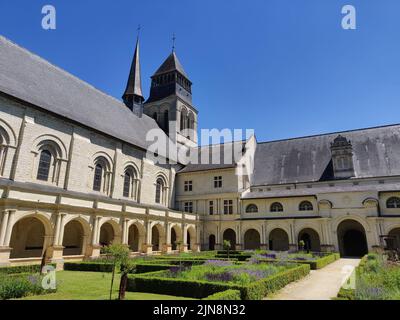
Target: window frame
[
  {"x": 276, "y": 205},
  {"x": 228, "y": 207},
  {"x": 396, "y": 203},
  {"x": 217, "y": 182}
]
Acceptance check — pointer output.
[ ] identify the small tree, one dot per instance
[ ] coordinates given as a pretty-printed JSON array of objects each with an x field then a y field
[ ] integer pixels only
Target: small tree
[
  {"x": 126, "y": 268},
  {"x": 301, "y": 245},
  {"x": 119, "y": 255},
  {"x": 227, "y": 246}
]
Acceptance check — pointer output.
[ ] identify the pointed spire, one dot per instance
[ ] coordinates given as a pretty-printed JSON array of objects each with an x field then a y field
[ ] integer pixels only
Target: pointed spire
[{"x": 133, "y": 92}]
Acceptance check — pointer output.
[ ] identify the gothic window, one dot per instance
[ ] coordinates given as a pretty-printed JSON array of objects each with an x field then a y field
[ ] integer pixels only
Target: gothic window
[
  {"x": 306, "y": 206},
  {"x": 393, "y": 203},
  {"x": 251, "y": 208},
  {"x": 44, "y": 165},
  {"x": 276, "y": 207}
]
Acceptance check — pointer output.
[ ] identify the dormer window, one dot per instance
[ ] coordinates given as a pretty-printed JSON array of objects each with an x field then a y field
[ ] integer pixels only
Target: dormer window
[{"x": 342, "y": 158}]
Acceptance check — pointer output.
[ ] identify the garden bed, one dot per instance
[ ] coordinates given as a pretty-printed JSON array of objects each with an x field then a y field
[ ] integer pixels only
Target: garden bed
[
  {"x": 254, "y": 281},
  {"x": 315, "y": 261}
]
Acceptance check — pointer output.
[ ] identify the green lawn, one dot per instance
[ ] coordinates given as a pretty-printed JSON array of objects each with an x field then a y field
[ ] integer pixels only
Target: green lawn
[{"x": 75, "y": 285}]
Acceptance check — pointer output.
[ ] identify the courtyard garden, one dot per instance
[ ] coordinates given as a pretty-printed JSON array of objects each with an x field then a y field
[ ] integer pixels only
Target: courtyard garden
[
  {"x": 376, "y": 278},
  {"x": 216, "y": 275}
]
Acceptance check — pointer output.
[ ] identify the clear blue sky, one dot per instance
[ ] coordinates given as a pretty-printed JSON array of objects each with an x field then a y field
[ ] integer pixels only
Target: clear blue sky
[{"x": 283, "y": 67}]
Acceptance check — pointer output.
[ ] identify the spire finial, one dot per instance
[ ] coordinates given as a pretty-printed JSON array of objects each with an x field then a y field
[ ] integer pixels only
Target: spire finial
[{"x": 173, "y": 42}]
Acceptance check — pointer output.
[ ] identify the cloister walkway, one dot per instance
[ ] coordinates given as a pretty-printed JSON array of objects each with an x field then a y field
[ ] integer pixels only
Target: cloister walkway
[{"x": 322, "y": 284}]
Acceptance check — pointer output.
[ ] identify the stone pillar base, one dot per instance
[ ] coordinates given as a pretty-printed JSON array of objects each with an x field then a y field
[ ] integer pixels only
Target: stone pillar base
[
  {"x": 5, "y": 256},
  {"x": 55, "y": 255},
  {"x": 264, "y": 247},
  {"x": 183, "y": 248},
  {"x": 293, "y": 247},
  {"x": 147, "y": 248},
  {"x": 238, "y": 246},
  {"x": 93, "y": 251},
  {"x": 196, "y": 247},
  {"x": 167, "y": 248}
]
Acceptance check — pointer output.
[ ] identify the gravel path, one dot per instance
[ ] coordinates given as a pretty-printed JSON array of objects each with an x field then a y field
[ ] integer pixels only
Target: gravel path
[{"x": 322, "y": 284}]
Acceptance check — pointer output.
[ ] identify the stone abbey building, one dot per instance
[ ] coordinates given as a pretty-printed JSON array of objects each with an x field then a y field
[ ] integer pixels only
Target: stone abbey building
[{"x": 74, "y": 175}]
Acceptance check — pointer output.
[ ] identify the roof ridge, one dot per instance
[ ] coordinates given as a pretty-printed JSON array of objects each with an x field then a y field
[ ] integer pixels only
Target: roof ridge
[
  {"x": 330, "y": 133},
  {"x": 65, "y": 72}
]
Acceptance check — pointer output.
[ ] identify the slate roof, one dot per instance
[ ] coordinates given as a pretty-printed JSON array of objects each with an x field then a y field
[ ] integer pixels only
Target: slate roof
[
  {"x": 233, "y": 151},
  {"x": 376, "y": 154},
  {"x": 28, "y": 77},
  {"x": 172, "y": 63}
]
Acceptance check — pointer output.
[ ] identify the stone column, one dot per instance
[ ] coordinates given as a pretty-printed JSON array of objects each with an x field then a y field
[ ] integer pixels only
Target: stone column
[
  {"x": 93, "y": 250},
  {"x": 184, "y": 247},
  {"x": 148, "y": 246},
  {"x": 168, "y": 244},
  {"x": 5, "y": 236},
  {"x": 55, "y": 251},
  {"x": 4, "y": 225}
]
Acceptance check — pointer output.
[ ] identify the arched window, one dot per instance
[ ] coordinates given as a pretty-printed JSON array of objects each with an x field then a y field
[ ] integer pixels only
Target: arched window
[
  {"x": 44, "y": 165},
  {"x": 183, "y": 119},
  {"x": 276, "y": 207},
  {"x": 393, "y": 202},
  {"x": 251, "y": 208},
  {"x": 130, "y": 183},
  {"x": 306, "y": 206},
  {"x": 160, "y": 188},
  {"x": 102, "y": 174},
  {"x": 98, "y": 176}
]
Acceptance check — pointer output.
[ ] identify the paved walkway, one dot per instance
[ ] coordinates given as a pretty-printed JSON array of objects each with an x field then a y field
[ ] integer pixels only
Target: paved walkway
[{"x": 322, "y": 284}]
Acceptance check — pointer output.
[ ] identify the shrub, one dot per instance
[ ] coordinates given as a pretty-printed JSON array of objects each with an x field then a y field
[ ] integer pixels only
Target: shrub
[
  {"x": 22, "y": 269},
  {"x": 156, "y": 282},
  {"x": 20, "y": 286},
  {"x": 225, "y": 295}
]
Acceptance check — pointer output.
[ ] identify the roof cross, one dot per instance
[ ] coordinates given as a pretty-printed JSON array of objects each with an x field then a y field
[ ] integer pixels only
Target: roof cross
[{"x": 173, "y": 42}]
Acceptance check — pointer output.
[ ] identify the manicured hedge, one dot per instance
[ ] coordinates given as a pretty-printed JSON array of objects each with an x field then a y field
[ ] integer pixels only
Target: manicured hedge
[
  {"x": 151, "y": 267},
  {"x": 22, "y": 269},
  {"x": 154, "y": 282},
  {"x": 239, "y": 257},
  {"x": 225, "y": 295},
  {"x": 346, "y": 294},
  {"x": 314, "y": 264},
  {"x": 88, "y": 266}
]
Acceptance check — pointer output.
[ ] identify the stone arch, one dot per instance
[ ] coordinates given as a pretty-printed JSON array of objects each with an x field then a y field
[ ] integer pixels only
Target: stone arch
[
  {"x": 7, "y": 133},
  {"x": 211, "y": 242},
  {"x": 157, "y": 235},
  {"x": 135, "y": 237},
  {"x": 59, "y": 148},
  {"x": 278, "y": 240},
  {"x": 190, "y": 237},
  {"x": 176, "y": 236},
  {"x": 76, "y": 233},
  {"x": 230, "y": 235},
  {"x": 311, "y": 239},
  {"x": 30, "y": 236},
  {"x": 393, "y": 241},
  {"x": 110, "y": 233},
  {"x": 252, "y": 240},
  {"x": 352, "y": 238}
]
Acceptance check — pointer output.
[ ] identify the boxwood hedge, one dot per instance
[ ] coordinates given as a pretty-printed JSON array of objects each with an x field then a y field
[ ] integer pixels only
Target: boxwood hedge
[
  {"x": 314, "y": 264},
  {"x": 154, "y": 282},
  {"x": 29, "y": 269},
  {"x": 225, "y": 295},
  {"x": 88, "y": 266}
]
